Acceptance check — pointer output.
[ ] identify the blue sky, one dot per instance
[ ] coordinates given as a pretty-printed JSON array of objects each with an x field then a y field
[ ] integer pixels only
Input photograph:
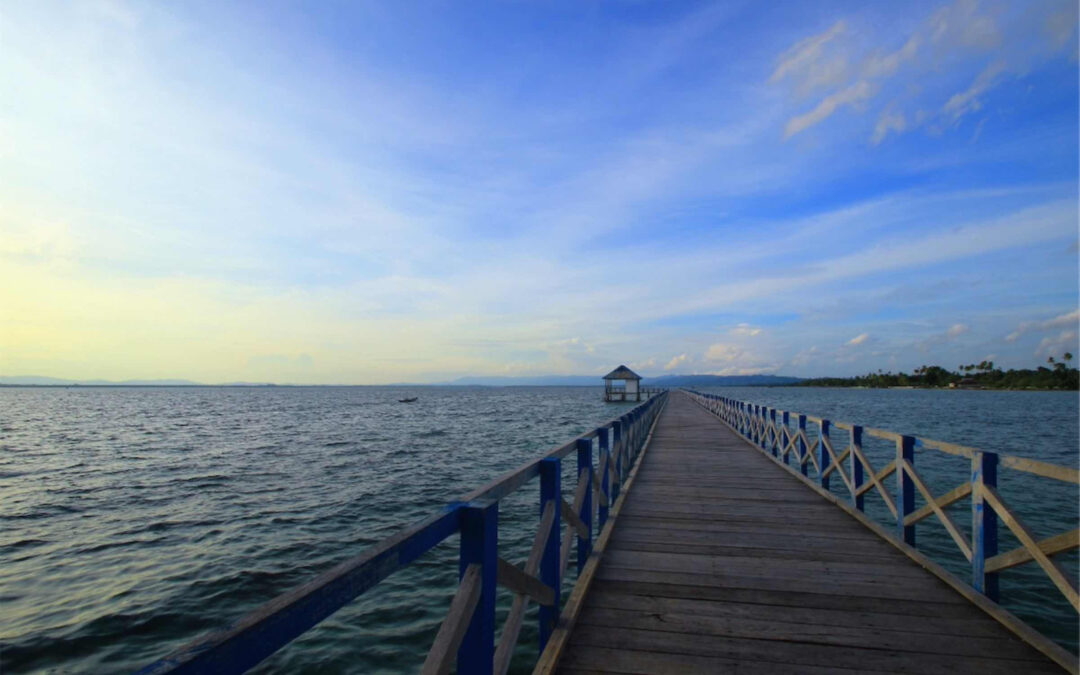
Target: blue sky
[{"x": 366, "y": 193}]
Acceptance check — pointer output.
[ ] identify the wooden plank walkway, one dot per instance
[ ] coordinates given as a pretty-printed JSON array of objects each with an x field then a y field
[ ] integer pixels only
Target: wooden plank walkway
[{"x": 721, "y": 561}]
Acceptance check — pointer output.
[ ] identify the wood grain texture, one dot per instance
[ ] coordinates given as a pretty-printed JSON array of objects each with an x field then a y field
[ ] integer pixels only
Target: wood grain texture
[
  {"x": 443, "y": 651},
  {"x": 722, "y": 561}
]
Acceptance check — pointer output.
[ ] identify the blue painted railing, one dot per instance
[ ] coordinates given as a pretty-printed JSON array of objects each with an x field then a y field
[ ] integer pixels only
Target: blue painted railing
[
  {"x": 467, "y": 636},
  {"x": 771, "y": 431}
]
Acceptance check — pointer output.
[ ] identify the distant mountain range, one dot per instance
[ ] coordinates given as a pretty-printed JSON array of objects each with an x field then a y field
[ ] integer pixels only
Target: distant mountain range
[
  {"x": 595, "y": 381},
  {"x": 719, "y": 381},
  {"x": 670, "y": 381},
  {"x": 40, "y": 381}
]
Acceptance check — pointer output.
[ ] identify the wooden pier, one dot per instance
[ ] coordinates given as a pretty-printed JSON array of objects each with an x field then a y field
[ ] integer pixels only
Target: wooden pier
[
  {"x": 705, "y": 574},
  {"x": 707, "y": 540}
]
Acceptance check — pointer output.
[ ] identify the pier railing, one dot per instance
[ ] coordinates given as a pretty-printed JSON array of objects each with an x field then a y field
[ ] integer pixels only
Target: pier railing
[
  {"x": 467, "y": 635},
  {"x": 782, "y": 435}
]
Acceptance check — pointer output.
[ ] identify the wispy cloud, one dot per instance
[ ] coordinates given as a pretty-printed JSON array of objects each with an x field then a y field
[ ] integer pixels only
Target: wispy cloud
[
  {"x": 676, "y": 361},
  {"x": 856, "y": 93},
  {"x": 1057, "y": 345},
  {"x": 889, "y": 121},
  {"x": 1068, "y": 320},
  {"x": 968, "y": 101},
  {"x": 956, "y": 330},
  {"x": 809, "y": 65},
  {"x": 746, "y": 330},
  {"x": 885, "y": 65},
  {"x": 326, "y": 209},
  {"x": 920, "y": 74}
]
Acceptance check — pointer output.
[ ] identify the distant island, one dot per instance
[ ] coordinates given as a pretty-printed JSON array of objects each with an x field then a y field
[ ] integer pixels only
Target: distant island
[
  {"x": 663, "y": 381},
  {"x": 1056, "y": 374},
  {"x": 42, "y": 381}
]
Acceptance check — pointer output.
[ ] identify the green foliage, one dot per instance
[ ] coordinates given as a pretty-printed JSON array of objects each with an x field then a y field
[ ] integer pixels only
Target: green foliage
[{"x": 982, "y": 375}]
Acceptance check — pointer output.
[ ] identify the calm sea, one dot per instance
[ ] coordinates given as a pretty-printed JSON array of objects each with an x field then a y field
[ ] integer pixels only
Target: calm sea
[{"x": 134, "y": 519}]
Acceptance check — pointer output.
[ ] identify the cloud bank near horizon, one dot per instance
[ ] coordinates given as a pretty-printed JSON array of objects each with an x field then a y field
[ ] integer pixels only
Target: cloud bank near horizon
[{"x": 394, "y": 194}]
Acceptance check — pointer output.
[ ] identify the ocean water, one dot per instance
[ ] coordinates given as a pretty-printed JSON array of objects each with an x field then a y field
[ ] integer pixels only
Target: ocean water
[{"x": 135, "y": 519}]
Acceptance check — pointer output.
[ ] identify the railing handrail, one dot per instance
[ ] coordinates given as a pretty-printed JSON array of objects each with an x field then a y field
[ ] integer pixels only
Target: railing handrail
[
  {"x": 271, "y": 626},
  {"x": 1015, "y": 462},
  {"x": 769, "y": 430}
]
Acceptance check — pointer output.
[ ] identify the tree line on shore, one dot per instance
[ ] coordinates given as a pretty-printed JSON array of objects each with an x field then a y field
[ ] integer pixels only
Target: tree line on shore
[{"x": 1056, "y": 374}]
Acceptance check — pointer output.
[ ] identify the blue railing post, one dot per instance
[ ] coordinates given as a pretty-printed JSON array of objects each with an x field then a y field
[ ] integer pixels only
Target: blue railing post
[
  {"x": 616, "y": 454},
  {"x": 905, "y": 488},
  {"x": 617, "y": 458},
  {"x": 550, "y": 490},
  {"x": 787, "y": 433},
  {"x": 857, "y": 467},
  {"x": 584, "y": 462},
  {"x": 775, "y": 435},
  {"x": 618, "y": 434},
  {"x": 823, "y": 454},
  {"x": 479, "y": 544},
  {"x": 984, "y": 524},
  {"x": 802, "y": 445},
  {"x": 617, "y": 442},
  {"x": 628, "y": 436}
]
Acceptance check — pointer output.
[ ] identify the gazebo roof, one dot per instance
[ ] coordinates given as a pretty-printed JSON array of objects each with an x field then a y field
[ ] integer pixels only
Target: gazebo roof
[{"x": 622, "y": 373}]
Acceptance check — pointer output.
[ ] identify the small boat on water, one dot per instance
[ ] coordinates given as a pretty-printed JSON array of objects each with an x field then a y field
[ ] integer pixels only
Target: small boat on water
[{"x": 407, "y": 400}]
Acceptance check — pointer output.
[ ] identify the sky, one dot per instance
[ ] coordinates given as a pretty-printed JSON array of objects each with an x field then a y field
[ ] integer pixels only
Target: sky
[{"x": 363, "y": 193}]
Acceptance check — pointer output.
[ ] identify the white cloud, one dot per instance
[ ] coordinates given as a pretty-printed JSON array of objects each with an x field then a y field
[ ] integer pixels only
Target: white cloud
[
  {"x": 859, "y": 339},
  {"x": 676, "y": 362},
  {"x": 884, "y": 66},
  {"x": 730, "y": 359},
  {"x": 807, "y": 64},
  {"x": 723, "y": 353},
  {"x": 1057, "y": 345},
  {"x": 745, "y": 330},
  {"x": 1070, "y": 319},
  {"x": 856, "y": 93},
  {"x": 961, "y": 25},
  {"x": 951, "y": 40},
  {"x": 1061, "y": 25},
  {"x": 968, "y": 100},
  {"x": 736, "y": 370},
  {"x": 956, "y": 330},
  {"x": 888, "y": 122}
]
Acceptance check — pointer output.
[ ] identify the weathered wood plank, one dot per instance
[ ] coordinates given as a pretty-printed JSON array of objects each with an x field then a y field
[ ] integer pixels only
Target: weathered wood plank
[
  {"x": 863, "y": 586},
  {"x": 724, "y": 561},
  {"x": 443, "y": 651},
  {"x": 614, "y": 598},
  {"x": 1062, "y": 580},
  {"x": 899, "y": 607},
  {"x": 799, "y": 653},
  {"x": 512, "y": 577},
  {"x": 776, "y": 628},
  {"x": 809, "y": 567},
  {"x": 1049, "y": 546},
  {"x": 600, "y": 660}
]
